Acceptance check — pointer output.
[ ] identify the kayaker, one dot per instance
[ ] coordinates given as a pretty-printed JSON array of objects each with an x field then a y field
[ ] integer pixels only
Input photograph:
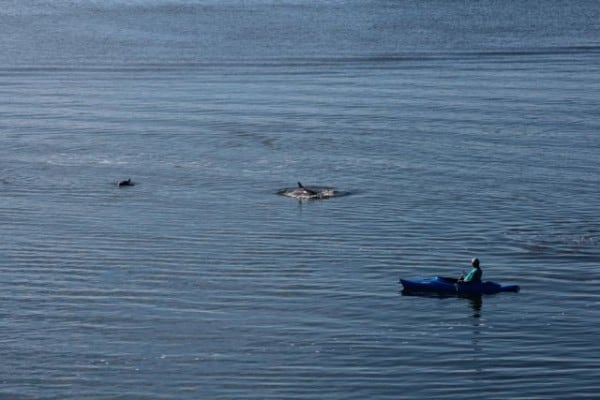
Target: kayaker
[{"x": 474, "y": 275}]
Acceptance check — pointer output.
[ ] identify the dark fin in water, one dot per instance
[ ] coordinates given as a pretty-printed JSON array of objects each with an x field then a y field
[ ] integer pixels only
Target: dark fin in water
[
  {"x": 126, "y": 183},
  {"x": 309, "y": 191}
]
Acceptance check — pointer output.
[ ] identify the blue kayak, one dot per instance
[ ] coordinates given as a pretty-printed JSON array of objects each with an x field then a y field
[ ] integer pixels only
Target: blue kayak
[{"x": 445, "y": 285}]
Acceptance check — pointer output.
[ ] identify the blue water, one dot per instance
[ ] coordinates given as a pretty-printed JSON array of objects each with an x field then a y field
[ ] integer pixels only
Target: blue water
[{"x": 459, "y": 129}]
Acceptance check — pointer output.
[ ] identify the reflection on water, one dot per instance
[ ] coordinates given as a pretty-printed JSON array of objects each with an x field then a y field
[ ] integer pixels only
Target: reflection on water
[{"x": 476, "y": 302}]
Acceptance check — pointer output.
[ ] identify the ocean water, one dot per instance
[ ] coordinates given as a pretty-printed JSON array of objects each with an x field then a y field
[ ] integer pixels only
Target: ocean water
[{"x": 457, "y": 129}]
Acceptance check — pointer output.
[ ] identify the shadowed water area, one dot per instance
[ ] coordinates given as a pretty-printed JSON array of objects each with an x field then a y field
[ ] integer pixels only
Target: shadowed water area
[{"x": 458, "y": 129}]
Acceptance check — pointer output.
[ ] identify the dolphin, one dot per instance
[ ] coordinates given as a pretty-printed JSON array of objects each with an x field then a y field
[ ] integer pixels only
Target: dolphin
[
  {"x": 126, "y": 183},
  {"x": 303, "y": 193}
]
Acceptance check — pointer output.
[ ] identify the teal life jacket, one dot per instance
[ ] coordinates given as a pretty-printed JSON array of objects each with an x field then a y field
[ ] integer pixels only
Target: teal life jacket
[{"x": 473, "y": 276}]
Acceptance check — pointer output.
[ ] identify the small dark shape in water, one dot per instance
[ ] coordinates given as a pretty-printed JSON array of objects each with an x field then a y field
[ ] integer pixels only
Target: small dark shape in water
[
  {"x": 127, "y": 182},
  {"x": 309, "y": 193}
]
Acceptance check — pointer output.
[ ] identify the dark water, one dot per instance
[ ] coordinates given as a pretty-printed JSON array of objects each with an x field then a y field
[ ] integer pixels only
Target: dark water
[{"x": 459, "y": 129}]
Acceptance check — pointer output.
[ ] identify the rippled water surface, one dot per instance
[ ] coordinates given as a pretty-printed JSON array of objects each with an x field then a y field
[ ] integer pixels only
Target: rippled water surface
[{"x": 453, "y": 130}]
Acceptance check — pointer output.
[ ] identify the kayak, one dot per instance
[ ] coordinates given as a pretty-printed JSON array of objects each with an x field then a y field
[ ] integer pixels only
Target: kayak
[{"x": 445, "y": 285}]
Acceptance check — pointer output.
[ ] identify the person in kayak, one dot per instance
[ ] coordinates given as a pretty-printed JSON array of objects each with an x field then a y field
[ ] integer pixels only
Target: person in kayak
[{"x": 474, "y": 276}]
